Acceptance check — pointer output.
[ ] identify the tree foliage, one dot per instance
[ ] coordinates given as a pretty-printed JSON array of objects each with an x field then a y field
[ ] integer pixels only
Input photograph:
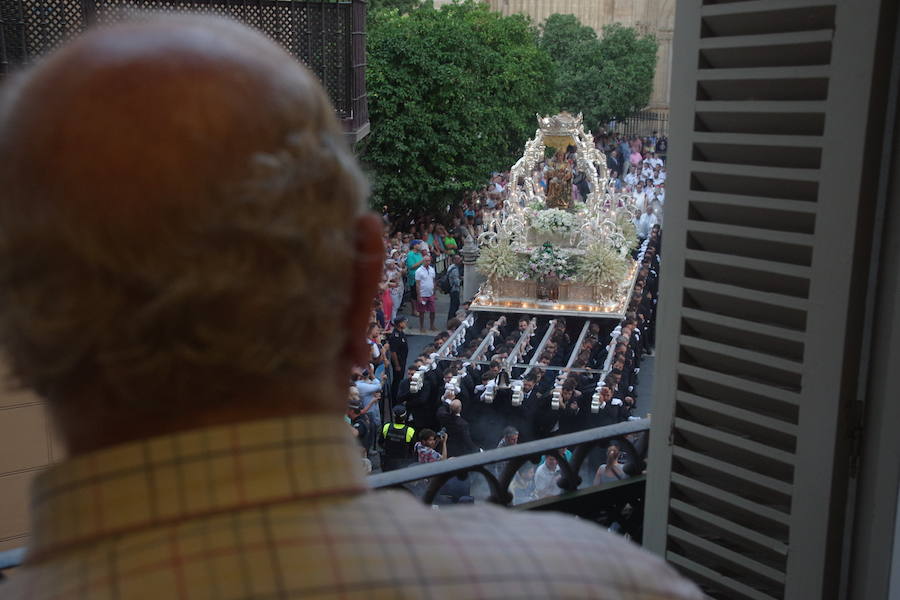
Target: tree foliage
[
  {"x": 404, "y": 6},
  {"x": 604, "y": 78},
  {"x": 452, "y": 96}
]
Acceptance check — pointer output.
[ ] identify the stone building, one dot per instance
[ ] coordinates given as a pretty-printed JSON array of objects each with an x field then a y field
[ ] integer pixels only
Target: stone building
[{"x": 647, "y": 16}]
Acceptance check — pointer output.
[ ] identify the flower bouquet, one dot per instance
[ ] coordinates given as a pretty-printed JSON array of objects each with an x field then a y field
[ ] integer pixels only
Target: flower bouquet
[
  {"x": 549, "y": 265},
  {"x": 552, "y": 225},
  {"x": 498, "y": 261},
  {"x": 602, "y": 266}
]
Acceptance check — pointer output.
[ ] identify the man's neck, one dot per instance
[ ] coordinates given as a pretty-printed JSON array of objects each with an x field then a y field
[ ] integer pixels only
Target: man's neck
[{"x": 88, "y": 422}]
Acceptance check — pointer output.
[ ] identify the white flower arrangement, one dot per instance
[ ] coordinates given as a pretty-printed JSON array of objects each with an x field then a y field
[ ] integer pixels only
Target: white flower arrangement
[
  {"x": 537, "y": 204},
  {"x": 554, "y": 220},
  {"x": 548, "y": 260},
  {"x": 629, "y": 232},
  {"x": 498, "y": 261},
  {"x": 602, "y": 265}
]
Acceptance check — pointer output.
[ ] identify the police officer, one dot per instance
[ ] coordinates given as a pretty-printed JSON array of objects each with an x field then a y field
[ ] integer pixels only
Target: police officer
[{"x": 398, "y": 440}]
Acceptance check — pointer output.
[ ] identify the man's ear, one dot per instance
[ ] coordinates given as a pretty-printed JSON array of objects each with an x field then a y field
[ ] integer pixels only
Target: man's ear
[{"x": 367, "y": 267}]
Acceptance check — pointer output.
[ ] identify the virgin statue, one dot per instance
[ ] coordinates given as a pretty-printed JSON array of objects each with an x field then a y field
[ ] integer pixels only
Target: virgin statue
[{"x": 559, "y": 183}]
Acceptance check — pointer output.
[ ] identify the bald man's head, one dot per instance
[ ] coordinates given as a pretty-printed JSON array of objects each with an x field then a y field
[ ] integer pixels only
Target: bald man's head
[
  {"x": 130, "y": 122},
  {"x": 179, "y": 212}
]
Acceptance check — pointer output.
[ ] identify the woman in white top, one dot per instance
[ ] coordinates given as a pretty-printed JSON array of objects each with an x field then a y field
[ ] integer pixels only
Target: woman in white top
[{"x": 392, "y": 276}]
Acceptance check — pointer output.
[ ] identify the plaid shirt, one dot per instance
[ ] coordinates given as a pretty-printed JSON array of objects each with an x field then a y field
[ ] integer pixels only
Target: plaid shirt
[
  {"x": 426, "y": 454},
  {"x": 280, "y": 509}
]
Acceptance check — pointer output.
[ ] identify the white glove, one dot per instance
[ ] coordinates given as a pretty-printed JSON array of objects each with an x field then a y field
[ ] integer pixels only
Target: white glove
[{"x": 616, "y": 402}]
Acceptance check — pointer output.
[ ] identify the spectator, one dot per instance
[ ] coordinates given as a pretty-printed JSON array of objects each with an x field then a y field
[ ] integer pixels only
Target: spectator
[
  {"x": 425, "y": 292},
  {"x": 414, "y": 259},
  {"x": 357, "y": 419},
  {"x": 510, "y": 437},
  {"x": 368, "y": 385},
  {"x": 425, "y": 447},
  {"x": 614, "y": 162},
  {"x": 393, "y": 279},
  {"x": 522, "y": 485},
  {"x": 610, "y": 471},
  {"x": 546, "y": 477},
  {"x": 448, "y": 241},
  {"x": 646, "y": 222}
]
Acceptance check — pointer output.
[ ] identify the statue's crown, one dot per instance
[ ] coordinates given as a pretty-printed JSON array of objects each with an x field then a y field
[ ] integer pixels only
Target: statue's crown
[{"x": 563, "y": 124}]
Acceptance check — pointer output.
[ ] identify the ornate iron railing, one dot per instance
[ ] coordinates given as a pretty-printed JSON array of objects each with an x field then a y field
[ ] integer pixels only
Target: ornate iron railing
[
  {"x": 511, "y": 458},
  {"x": 328, "y": 36},
  {"x": 643, "y": 123}
]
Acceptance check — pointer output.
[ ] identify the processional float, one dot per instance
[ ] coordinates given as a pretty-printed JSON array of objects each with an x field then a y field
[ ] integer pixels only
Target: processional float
[{"x": 547, "y": 252}]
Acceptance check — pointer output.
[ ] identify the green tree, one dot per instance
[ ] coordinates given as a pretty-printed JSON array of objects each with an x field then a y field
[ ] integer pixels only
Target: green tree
[
  {"x": 452, "y": 96},
  {"x": 404, "y": 6},
  {"x": 604, "y": 78}
]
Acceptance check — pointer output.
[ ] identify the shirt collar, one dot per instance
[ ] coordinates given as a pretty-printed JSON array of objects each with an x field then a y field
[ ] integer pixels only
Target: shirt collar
[{"x": 169, "y": 479}]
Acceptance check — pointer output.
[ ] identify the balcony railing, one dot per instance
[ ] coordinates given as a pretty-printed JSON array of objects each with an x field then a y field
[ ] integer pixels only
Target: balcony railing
[
  {"x": 498, "y": 467},
  {"x": 328, "y": 36}
]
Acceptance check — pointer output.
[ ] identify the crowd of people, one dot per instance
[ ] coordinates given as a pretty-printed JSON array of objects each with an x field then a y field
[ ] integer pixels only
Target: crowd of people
[
  {"x": 636, "y": 166},
  {"x": 427, "y": 424}
]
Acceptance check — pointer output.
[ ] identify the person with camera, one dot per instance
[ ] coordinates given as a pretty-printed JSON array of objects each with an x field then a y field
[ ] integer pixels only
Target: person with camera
[{"x": 428, "y": 441}]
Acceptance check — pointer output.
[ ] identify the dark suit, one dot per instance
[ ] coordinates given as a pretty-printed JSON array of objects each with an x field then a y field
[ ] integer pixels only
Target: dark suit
[
  {"x": 614, "y": 163},
  {"x": 459, "y": 439},
  {"x": 574, "y": 416}
]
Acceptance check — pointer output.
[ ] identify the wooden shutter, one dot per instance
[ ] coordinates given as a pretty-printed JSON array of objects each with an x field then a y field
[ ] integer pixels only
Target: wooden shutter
[{"x": 763, "y": 273}]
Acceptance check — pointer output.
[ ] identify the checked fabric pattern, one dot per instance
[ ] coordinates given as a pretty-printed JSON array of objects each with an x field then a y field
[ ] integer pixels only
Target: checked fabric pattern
[{"x": 280, "y": 509}]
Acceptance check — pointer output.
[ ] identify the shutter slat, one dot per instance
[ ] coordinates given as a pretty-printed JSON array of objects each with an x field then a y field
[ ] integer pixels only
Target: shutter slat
[
  {"x": 746, "y": 293},
  {"x": 776, "y": 485},
  {"x": 807, "y": 72},
  {"x": 760, "y": 389},
  {"x": 739, "y": 231},
  {"x": 789, "y": 173},
  {"x": 710, "y": 575},
  {"x": 728, "y": 555},
  {"x": 735, "y": 441},
  {"x": 767, "y": 39},
  {"x": 735, "y": 323},
  {"x": 772, "y": 106},
  {"x": 756, "y": 139},
  {"x": 756, "y": 264},
  {"x": 759, "y": 358},
  {"x": 726, "y": 525},
  {"x": 752, "y": 6},
  {"x": 755, "y": 202},
  {"x": 735, "y": 500},
  {"x": 737, "y": 413}
]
